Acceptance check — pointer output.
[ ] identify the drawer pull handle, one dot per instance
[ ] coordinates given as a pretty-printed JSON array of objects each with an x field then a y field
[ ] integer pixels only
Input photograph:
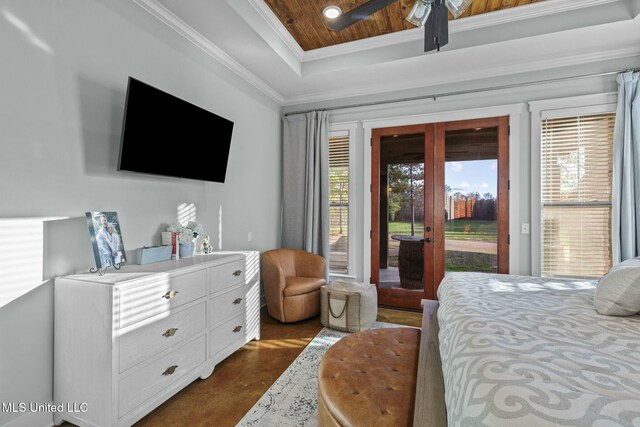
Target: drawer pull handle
[
  {"x": 170, "y": 370},
  {"x": 170, "y": 332},
  {"x": 170, "y": 294},
  {"x": 237, "y": 272},
  {"x": 237, "y": 301},
  {"x": 237, "y": 329}
]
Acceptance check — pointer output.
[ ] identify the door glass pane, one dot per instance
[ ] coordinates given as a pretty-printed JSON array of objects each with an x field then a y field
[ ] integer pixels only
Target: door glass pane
[
  {"x": 471, "y": 205},
  {"x": 402, "y": 212}
]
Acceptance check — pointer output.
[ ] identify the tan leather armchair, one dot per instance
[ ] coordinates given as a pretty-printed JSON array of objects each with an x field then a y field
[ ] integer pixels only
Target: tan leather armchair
[{"x": 292, "y": 280}]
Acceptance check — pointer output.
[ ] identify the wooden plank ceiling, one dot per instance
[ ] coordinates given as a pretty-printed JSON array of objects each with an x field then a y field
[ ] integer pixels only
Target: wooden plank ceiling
[{"x": 307, "y": 25}]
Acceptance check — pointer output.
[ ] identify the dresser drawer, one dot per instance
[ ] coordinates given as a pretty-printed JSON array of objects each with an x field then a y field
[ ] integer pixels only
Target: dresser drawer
[
  {"x": 141, "y": 343},
  {"x": 159, "y": 375},
  {"x": 228, "y": 304},
  {"x": 223, "y": 276},
  {"x": 161, "y": 294},
  {"x": 231, "y": 332}
]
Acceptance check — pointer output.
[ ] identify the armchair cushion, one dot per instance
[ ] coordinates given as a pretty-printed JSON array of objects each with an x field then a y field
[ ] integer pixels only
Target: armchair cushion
[{"x": 302, "y": 285}]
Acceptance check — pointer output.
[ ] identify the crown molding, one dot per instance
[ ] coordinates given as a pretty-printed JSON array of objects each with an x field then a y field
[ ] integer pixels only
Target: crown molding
[
  {"x": 499, "y": 17},
  {"x": 281, "y": 31},
  {"x": 186, "y": 31},
  {"x": 535, "y": 64},
  {"x": 375, "y": 42}
]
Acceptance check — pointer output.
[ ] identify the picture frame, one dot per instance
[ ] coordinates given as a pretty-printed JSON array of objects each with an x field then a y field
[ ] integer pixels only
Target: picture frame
[{"x": 106, "y": 239}]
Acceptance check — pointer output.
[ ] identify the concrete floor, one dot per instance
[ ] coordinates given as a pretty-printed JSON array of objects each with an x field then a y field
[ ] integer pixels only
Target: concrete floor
[{"x": 239, "y": 381}]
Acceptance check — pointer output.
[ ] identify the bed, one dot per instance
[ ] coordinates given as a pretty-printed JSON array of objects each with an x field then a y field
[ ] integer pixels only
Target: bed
[{"x": 525, "y": 351}]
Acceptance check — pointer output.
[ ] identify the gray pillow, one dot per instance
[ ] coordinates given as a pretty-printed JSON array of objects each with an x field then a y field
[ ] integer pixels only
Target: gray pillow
[{"x": 618, "y": 291}]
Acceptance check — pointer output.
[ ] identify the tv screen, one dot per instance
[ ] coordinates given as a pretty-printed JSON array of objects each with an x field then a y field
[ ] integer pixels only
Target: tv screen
[{"x": 165, "y": 135}]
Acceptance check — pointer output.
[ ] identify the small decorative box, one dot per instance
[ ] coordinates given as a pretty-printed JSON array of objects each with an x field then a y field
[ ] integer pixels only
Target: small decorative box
[{"x": 147, "y": 255}]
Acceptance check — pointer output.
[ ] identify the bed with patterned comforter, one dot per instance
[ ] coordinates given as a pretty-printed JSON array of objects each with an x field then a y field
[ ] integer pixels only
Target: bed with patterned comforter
[{"x": 527, "y": 352}]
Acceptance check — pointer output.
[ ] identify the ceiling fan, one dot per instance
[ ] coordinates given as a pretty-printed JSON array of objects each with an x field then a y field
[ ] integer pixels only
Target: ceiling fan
[{"x": 431, "y": 14}]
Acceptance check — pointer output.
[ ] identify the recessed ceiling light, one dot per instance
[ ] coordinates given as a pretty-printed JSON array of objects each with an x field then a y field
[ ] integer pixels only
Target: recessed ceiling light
[{"x": 332, "y": 12}]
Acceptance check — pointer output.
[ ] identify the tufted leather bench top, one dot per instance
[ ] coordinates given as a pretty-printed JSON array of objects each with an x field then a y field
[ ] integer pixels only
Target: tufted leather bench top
[{"x": 369, "y": 379}]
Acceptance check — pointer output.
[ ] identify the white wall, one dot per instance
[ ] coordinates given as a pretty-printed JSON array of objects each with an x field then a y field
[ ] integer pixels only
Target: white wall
[
  {"x": 520, "y": 168},
  {"x": 63, "y": 75}
]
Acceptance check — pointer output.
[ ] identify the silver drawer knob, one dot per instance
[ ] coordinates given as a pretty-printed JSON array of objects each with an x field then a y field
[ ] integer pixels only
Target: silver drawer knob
[
  {"x": 237, "y": 301},
  {"x": 237, "y": 272},
  {"x": 170, "y": 332},
  {"x": 170, "y": 370},
  {"x": 237, "y": 329},
  {"x": 170, "y": 294}
]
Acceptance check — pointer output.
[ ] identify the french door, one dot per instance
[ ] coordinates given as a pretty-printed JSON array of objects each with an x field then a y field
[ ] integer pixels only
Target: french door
[{"x": 439, "y": 203}]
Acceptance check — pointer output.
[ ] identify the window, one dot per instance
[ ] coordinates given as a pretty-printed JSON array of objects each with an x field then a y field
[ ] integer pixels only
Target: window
[
  {"x": 339, "y": 201},
  {"x": 576, "y": 166}
]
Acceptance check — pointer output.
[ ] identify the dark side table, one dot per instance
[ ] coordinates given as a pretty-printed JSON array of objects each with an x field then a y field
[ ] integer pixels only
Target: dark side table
[{"x": 410, "y": 261}]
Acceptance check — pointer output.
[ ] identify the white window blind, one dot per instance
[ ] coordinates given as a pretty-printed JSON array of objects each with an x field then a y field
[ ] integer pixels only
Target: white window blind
[
  {"x": 576, "y": 172},
  {"x": 339, "y": 204}
]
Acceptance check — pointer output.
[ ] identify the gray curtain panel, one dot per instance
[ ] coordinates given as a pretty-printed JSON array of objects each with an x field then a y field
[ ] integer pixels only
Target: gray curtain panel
[
  {"x": 305, "y": 182},
  {"x": 625, "y": 222}
]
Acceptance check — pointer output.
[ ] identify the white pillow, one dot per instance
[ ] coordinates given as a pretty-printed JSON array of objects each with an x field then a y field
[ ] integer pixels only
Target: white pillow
[{"x": 618, "y": 291}]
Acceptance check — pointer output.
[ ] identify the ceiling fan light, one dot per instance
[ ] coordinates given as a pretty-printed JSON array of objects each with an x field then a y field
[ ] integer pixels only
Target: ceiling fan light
[
  {"x": 332, "y": 12},
  {"x": 457, "y": 7},
  {"x": 419, "y": 13}
]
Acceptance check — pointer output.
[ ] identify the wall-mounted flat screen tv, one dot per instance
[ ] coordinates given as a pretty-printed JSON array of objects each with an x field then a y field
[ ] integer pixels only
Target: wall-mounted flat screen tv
[{"x": 165, "y": 135}]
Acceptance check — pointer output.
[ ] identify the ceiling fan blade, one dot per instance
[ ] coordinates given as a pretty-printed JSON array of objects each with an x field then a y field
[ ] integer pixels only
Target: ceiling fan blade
[
  {"x": 357, "y": 14},
  {"x": 436, "y": 29}
]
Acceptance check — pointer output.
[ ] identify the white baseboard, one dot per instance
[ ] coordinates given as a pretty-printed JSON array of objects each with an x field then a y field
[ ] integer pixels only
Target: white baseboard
[{"x": 32, "y": 419}]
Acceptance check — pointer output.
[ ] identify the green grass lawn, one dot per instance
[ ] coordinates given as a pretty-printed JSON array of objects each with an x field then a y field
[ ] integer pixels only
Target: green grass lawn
[
  {"x": 473, "y": 262},
  {"x": 459, "y": 229}
]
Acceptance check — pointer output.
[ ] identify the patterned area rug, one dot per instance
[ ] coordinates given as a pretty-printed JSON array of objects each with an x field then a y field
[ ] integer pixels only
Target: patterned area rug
[{"x": 293, "y": 399}]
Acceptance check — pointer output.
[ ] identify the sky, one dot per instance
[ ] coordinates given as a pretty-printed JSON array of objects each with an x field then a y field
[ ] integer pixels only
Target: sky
[{"x": 472, "y": 175}]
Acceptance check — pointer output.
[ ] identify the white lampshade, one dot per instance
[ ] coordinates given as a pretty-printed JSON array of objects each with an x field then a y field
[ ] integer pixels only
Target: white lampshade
[
  {"x": 419, "y": 13},
  {"x": 457, "y": 7}
]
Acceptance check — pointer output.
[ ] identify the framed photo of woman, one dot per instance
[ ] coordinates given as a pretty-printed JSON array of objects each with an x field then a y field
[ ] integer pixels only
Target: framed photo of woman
[{"x": 106, "y": 239}]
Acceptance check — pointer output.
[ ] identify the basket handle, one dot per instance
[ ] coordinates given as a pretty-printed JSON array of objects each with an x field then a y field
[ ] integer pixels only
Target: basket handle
[{"x": 346, "y": 302}]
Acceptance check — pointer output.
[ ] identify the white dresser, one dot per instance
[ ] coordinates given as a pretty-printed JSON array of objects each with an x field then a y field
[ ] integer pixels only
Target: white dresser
[{"x": 126, "y": 341}]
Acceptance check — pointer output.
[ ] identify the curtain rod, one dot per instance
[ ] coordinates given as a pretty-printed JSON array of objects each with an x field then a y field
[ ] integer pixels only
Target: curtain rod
[{"x": 463, "y": 92}]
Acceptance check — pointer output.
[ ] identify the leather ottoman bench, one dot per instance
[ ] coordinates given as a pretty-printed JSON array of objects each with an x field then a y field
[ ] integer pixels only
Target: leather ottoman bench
[{"x": 369, "y": 379}]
